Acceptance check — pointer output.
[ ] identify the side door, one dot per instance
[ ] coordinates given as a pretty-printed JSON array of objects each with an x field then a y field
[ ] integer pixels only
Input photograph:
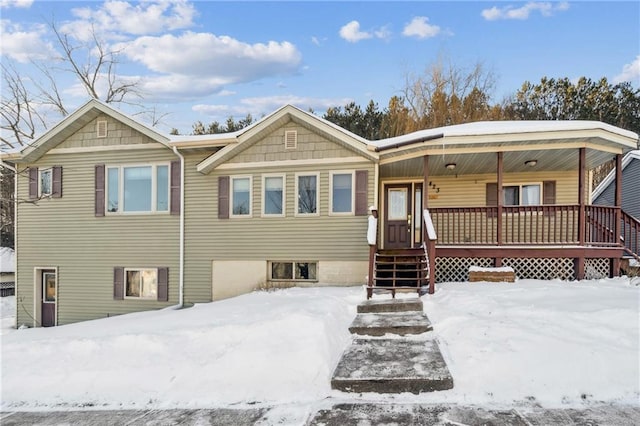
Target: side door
[
  {"x": 49, "y": 295},
  {"x": 397, "y": 216}
]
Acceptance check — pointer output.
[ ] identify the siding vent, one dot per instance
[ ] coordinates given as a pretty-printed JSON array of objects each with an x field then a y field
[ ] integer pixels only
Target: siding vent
[
  {"x": 101, "y": 129},
  {"x": 291, "y": 139}
]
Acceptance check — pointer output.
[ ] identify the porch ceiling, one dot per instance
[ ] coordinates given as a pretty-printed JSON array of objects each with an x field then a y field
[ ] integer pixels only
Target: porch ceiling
[{"x": 486, "y": 162}]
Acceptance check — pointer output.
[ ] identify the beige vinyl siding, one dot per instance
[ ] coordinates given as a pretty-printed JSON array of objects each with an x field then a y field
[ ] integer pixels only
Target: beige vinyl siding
[
  {"x": 315, "y": 238},
  {"x": 470, "y": 190},
  {"x": 118, "y": 133},
  {"x": 65, "y": 233},
  {"x": 310, "y": 146}
]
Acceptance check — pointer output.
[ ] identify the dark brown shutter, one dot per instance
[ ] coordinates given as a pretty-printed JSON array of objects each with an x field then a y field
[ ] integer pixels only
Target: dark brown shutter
[
  {"x": 118, "y": 283},
  {"x": 223, "y": 197},
  {"x": 361, "y": 192},
  {"x": 492, "y": 197},
  {"x": 548, "y": 194},
  {"x": 99, "y": 201},
  {"x": 175, "y": 187},
  {"x": 33, "y": 183},
  {"x": 56, "y": 186},
  {"x": 163, "y": 284}
]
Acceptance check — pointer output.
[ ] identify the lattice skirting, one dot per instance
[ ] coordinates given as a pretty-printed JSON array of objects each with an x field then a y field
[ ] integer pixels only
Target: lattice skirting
[
  {"x": 456, "y": 269},
  {"x": 595, "y": 269}
]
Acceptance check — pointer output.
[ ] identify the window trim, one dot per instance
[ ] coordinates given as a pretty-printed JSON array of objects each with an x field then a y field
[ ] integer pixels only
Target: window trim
[
  {"x": 264, "y": 193},
  {"x": 241, "y": 216},
  {"x": 520, "y": 185},
  {"x": 124, "y": 290},
  {"x": 154, "y": 188},
  {"x": 293, "y": 271},
  {"x": 353, "y": 192},
  {"x": 41, "y": 172},
  {"x": 296, "y": 211}
]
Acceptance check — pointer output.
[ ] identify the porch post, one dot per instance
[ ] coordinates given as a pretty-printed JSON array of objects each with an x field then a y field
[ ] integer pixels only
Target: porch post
[
  {"x": 500, "y": 198},
  {"x": 582, "y": 160},
  {"x": 425, "y": 193},
  {"x": 615, "y": 263}
]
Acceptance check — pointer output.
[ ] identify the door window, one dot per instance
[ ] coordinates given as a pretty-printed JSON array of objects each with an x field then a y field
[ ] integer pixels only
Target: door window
[
  {"x": 397, "y": 203},
  {"x": 49, "y": 287}
]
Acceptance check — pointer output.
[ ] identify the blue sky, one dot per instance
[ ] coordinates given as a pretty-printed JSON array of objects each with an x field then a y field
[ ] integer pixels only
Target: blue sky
[{"x": 208, "y": 60}]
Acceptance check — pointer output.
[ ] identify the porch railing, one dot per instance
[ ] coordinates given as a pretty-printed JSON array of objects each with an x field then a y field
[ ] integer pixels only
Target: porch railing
[
  {"x": 630, "y": 235},
  {"x": 525, "y": 225}
]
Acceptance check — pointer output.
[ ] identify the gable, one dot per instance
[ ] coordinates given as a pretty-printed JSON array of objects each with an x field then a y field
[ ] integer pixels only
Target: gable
[
  {"x": 310, "y": 145},
  {"x": 117, "y": 133}
]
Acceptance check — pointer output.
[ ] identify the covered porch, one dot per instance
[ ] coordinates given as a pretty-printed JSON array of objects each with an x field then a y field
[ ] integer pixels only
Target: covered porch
[{"x": 504, "y": 199}]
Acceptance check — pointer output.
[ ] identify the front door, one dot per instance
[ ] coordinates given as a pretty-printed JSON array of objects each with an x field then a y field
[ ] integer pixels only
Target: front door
[
  {"x": 397, "y": 216},
  {"x": 49, "y": 293}
]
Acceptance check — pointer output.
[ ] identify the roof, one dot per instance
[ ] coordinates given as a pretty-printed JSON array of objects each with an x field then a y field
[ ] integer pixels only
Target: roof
[
  {"x": 7, "y": 260},
  {"x": 626, "y": 160},
  {"x": 74, "y": 121},
  {"x": 487, "y": 128}
]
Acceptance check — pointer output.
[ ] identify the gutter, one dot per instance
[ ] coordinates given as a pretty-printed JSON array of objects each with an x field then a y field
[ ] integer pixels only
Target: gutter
[
  {"x": 409, "y": 142},
  {"x": 181, "y": 279}
]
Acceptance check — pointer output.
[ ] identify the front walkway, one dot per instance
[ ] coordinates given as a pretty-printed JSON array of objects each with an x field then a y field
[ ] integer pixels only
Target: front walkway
[{"x": 338, "y": 414}]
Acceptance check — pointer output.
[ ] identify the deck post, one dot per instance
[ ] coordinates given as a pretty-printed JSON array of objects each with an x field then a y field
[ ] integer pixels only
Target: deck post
[
  {"x": 500, "y": 198},
  {"x": 615, "y": 263},
  {"x": 425, "y": 192},
  {"x": 582, "y": 160}
]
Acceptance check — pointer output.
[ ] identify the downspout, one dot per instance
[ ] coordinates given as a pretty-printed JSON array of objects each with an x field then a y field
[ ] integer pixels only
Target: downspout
[
  {"x": 15, "y": 233},
  {"x": 181, "y": 279}
]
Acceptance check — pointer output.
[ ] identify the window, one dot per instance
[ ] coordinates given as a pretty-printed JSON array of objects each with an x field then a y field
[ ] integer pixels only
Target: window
[
  {"x": 138, "y": 189},
  {"x": 141, "y": 283},
  {"x": 307, "y": 194},
  {"x": 46, "y": 181},
  {"x": 241, "y": 196},
  {"x": 273, "y": 195},
  {"x": 342, "y": 192},
  {"x": 298, "y": 271},
  {"x": 522, "y": 195}
]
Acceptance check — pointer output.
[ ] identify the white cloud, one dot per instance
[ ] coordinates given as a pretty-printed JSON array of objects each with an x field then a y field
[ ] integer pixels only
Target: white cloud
[
  {"x": 114, "y": 18},
  {"x": 259, "y": 106},
  {"x": 226, "y": 93},
  {"x": 630, "y": 72},
  {"x": 24, "y": 45},
  {"x": 383, "y": 33},
  {"x": 509, "y": 12},
  {"x": 6, "y": 4},
  {"x": 351, "y": 32},
  {"x": 419, "y": 27},
  {"x": 194, "y": 65}
]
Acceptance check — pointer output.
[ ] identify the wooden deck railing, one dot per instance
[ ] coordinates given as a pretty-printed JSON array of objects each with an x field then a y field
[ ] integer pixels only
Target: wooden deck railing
[
  {"x": 630, "y": 235},
  {"x": 600, "y": 225}
]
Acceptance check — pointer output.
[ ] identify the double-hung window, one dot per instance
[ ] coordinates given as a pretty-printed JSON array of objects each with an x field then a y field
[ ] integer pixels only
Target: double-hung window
[
  {"x": 241, "y": 196},
  {"x": 46, "y": 182},
  {"x": 522, "y": 195},
  {"x": 273, "y": 201},
  {"x": 342, "y": 194},
  {"x": 138, "y": 189},
  {"x": 307, "y": 194}
]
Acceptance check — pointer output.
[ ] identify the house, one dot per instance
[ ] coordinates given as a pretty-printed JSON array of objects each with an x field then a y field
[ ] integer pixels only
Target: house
[
  {"x": 7, "y": 271},
  {"x": 125, "y": 219}
]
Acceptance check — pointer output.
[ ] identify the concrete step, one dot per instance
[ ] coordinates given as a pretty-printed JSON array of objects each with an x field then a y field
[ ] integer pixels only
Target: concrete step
[
  {"x": 390, "y": 305},
  {"x": 400, "y": 323},
  {"x": 392, "y": 366}
]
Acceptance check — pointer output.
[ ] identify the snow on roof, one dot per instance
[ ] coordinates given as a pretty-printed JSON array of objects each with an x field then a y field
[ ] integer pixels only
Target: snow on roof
[
  {"x": 482, "y": 128},
  {"x": 7, "y": 260}
]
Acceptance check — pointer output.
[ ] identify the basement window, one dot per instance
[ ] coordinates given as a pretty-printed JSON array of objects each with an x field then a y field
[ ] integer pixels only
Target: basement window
[{"x": 294, "y": 271}]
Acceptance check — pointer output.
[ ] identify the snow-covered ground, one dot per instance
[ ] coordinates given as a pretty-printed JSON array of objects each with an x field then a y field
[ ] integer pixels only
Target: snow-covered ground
[{"x": 550, "y": 342}]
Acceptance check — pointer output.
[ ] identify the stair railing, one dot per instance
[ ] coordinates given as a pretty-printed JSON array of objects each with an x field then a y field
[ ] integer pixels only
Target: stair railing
[
  {"x": 630, "y": 235},
  {"x": 429, "y": 244}
]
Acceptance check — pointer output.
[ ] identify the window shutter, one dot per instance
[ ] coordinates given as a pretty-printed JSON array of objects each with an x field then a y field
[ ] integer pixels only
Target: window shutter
[
  {"x": 175, "y": 187},
  {"x": 56, "y": 188},
  {"x": 492, "y": 197},
  {"x": 361, "y": 192},
  {"x": 118, "y": 283},
  {"x": 548, "y": 194},
  {"x": 163, "y": 284},
  {"x": 33, "y": 183},
  {"x": 223, "y": 197},
  {"x": 99, "y": 192}
]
